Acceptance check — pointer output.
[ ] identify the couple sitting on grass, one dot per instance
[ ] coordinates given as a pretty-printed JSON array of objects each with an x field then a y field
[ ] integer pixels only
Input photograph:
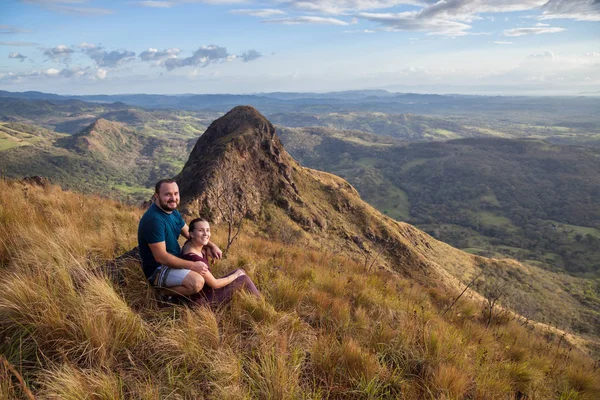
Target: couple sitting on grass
[{"x": 183, "y": 272}]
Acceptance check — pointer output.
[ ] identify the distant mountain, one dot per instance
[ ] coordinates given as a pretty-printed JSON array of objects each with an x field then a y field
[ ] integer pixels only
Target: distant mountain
[
  {"x": 71, "y": 116},
  {"x": 105, "y": 157},
  {"x": 534, "y": 110},
  {"x": 344, "y": 95},
  {"x": 32, "y": 95}
]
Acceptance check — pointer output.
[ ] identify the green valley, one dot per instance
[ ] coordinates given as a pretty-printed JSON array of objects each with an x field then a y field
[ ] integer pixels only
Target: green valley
[{"x": 523, "y": 199}]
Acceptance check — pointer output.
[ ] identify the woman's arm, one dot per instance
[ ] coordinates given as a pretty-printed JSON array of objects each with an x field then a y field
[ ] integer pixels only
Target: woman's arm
[
  {"x": 215, "y": 283},
  {"x": 209, "y": 278}
]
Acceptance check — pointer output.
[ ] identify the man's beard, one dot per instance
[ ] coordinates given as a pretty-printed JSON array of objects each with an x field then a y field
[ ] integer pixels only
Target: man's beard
[{"x": 166, "y": 206}]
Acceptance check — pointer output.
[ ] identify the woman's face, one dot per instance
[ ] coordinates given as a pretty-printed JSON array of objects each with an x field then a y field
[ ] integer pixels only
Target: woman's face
[{"x": 201, "y": 233}]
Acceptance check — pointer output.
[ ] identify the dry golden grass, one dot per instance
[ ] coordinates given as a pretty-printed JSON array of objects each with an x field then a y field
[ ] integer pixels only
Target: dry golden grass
[{"x": 324, "y": 328}]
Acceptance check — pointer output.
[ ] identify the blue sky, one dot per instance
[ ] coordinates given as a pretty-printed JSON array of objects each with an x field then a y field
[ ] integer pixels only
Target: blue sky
[{"x": 247, "y": 46}]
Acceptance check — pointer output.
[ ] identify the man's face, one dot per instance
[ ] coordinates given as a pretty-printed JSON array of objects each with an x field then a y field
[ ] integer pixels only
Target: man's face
[{"x": 168, "y": 196}]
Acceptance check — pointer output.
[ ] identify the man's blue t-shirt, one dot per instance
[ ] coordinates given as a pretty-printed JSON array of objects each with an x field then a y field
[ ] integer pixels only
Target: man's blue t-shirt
[{"x": 157, "y": 226}]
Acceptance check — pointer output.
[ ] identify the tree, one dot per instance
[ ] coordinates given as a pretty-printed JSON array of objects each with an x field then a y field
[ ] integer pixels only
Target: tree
[
  {"x": 231, "y": 203},
  {"x": 492, "y": 291}
]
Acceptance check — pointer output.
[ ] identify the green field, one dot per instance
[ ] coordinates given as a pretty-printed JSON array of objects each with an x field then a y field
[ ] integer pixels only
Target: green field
[
  {"x": 574, "y": 230},
  {"x": 492, "y": 219},
  {"x": 133, "y": 190},
  {"x": 6, "y": 144},
  {"x": 395, "y": 204},
  {"x": 413, "y": 163}
]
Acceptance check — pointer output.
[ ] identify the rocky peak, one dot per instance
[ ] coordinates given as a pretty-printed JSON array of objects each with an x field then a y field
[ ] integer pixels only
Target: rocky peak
[{"x": 240, "y": 157}]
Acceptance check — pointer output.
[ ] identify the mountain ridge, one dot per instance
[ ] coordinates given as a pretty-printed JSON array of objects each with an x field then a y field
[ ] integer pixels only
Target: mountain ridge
[{"x": 242, "y": 150}]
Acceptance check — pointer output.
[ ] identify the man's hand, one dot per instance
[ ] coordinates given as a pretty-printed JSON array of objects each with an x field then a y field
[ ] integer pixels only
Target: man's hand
[
  {"x": 200, "y": 267},
  {"x": 213, "y": 251}
]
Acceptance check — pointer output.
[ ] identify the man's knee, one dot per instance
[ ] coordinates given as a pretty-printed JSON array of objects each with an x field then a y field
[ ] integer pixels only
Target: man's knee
[{"x": 195, "y": 281}]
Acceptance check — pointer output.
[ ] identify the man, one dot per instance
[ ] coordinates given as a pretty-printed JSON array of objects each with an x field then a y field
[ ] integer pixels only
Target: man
[{"x": 158, "y": 232}]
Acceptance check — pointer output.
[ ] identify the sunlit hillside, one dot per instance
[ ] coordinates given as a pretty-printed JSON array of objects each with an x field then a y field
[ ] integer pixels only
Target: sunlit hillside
[{"x": 326, "y": 327}]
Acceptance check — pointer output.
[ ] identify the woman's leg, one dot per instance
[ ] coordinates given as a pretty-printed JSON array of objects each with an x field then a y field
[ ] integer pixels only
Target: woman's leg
[{"x": 225, "y": 293}]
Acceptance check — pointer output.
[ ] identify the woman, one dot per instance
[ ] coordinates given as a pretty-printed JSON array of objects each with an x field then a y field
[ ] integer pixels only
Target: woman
[{"x": 215, "y": 291}]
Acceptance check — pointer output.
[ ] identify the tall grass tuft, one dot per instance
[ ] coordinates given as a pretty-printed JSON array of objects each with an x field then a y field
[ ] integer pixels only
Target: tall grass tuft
[{"x": 70, "y": 383}]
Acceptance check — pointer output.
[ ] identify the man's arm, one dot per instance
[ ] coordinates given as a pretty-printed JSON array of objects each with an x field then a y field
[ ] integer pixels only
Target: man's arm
[
  {"x": 214, "y": 250},
  {"x": 185, "y": 231},
  {"x": 159, "y": 251}
]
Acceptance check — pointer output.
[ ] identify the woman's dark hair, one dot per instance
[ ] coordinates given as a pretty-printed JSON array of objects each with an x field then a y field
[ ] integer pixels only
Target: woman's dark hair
[{"x": 195, "y": 221}]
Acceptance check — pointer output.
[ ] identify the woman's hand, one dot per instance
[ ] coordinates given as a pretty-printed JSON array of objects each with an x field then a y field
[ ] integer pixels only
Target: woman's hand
[{"x": 240, "y": 272}]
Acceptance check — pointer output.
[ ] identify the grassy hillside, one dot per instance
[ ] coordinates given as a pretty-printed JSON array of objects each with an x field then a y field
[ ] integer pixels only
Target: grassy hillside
[
  {"x": 106, "y": 157},
  {"x": 523, "y": 199},
  {"x": 325, "y": 329}
]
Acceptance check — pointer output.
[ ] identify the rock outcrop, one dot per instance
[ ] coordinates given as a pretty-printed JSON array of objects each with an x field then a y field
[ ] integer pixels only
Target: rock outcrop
[{"x": 238, "y": 156}]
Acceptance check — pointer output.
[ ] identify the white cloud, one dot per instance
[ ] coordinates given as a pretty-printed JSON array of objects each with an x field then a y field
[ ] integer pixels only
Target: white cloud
[
  {"x": 502, "y": 42},
  {"x": 261, "y": 13},
  {"x": 9, "y": 29},
  {"x": 250, "y": 55},
  {"x": 361, "y": 31},
  {"x": 60, "y": 53},
  {"x": 86, "y": 46},
  {"x": 154, "y": 4},
  {"x": 158, "y": 56},
  {"x": 172, "y": 3},
  {"x": 537, "y": 30},
  {"x": 103, "y": 58},
  {"x": 549, "y": 55},
  {"x": 447, "y": 17},
  {"x": 411, "y": 21},
  {"x": 307, "y": 20},
  {"x": 101, "y": 73},
  {"x": 18, "y": 44},
  {"x": 202, "y": 57},
  {"x": 550, "y": 67},
  {"x": 67, "y": 7},
  {"x": 55, "y": 74},
  {"x": 17, "y": 56},
  {"x": 579, "y": 10},
  {"x": 51, "y": 72},
  {"x": 347, "y": 6}
]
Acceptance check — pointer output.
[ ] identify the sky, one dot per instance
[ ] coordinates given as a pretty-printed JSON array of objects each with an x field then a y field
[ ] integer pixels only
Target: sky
[{"x": 494, "y": 47}]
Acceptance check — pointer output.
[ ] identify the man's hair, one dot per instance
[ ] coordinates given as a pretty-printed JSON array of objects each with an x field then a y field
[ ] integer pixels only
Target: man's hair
[
  {"x": 159, "y": 184},
  {"x": 195, "y": 221}
]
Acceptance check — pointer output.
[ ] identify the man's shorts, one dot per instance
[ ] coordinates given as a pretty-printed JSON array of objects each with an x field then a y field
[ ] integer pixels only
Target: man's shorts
[{"x": 164, "y": 276}]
